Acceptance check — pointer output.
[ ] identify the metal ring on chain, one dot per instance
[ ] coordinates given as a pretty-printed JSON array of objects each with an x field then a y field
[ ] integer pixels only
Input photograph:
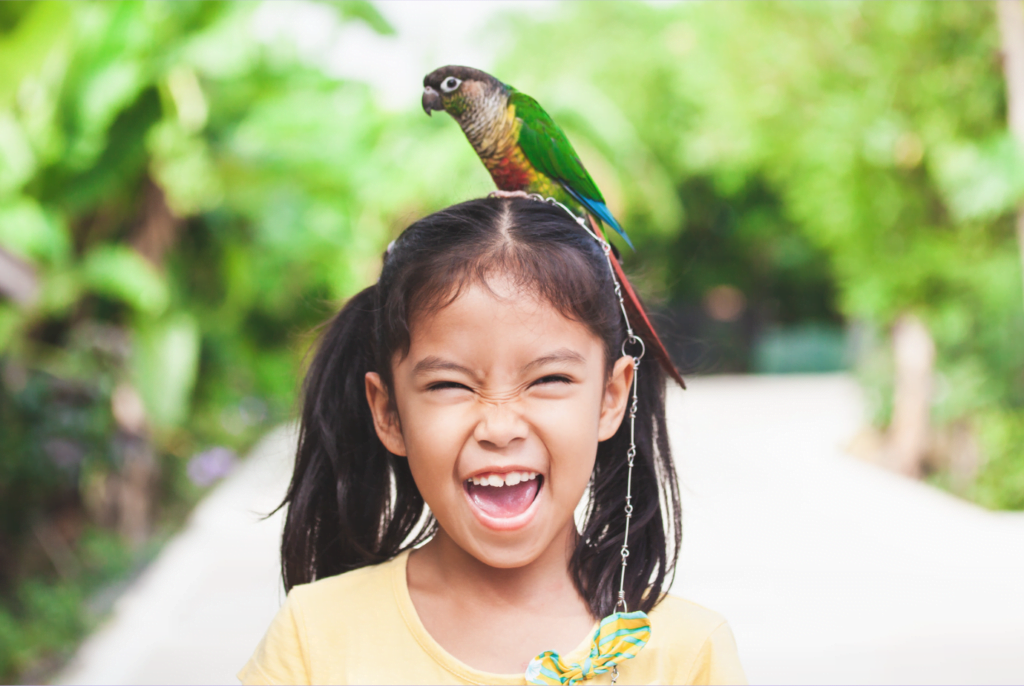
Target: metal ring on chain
[{"x": 631, "y": 340}]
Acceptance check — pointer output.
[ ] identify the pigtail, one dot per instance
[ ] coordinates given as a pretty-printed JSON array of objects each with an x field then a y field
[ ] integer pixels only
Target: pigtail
[{"x": 351, "y": 503}]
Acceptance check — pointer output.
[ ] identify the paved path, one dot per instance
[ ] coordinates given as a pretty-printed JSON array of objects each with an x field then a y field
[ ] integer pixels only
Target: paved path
[{"x": 829, "y": 570}]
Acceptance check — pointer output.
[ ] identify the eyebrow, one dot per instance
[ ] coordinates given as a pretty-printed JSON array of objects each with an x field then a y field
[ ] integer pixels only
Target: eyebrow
[
  {"x": 564, "y": 355},
  {"x": 433, "y": 363}
]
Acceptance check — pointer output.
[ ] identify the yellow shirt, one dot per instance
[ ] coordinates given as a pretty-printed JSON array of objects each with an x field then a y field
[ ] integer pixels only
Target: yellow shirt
[{"x": 362, "y": 628}]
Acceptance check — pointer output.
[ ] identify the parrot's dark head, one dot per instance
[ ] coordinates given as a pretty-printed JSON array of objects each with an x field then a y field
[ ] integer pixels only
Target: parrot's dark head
[{"x": 462, "y": 92}]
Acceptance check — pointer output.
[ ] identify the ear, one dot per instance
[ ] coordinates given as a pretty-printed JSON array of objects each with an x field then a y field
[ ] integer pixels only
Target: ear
[
  {"x": 617, "y": 394},
  {"x": 385, "y": 420}
]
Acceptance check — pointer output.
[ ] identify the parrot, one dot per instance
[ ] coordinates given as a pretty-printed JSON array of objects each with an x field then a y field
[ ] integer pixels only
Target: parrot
[{"x": 525, "y": 151}]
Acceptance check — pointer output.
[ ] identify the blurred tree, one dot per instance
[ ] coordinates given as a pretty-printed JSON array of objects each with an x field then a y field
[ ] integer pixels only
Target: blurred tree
[
  {"x": 874, "y": 135},
  {"x": 183, "y": 195}
]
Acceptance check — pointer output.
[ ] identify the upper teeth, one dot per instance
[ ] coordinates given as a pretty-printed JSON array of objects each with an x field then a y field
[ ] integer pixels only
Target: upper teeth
[{"x": 507, "y": 479}]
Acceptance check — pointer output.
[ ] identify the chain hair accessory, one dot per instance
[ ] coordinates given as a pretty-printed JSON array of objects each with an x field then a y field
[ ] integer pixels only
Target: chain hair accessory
[{"x": 622, "y": 634}]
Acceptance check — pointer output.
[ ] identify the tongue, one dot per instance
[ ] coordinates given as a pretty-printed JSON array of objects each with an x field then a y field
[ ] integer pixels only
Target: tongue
[{"x": 504, "y": 501}]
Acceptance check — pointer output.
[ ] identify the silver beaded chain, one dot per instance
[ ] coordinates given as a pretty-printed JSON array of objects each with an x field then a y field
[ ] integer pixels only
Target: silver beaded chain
[{"x": 631, "y": 339}]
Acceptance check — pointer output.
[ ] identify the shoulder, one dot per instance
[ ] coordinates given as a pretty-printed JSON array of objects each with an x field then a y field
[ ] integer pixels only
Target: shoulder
[
  {"x": 366, "y": 586},
  {"x": 335, "y": 611},
  {"x": 679, "y": 617},
  {"x": 692, "y": 644},
  {"x": 300, "y": 647}
]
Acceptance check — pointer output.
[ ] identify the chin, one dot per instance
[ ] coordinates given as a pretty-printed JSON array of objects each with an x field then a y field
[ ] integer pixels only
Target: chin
[
  {"x": 508, "y": 554},
  {"x": 517, "y": 548}
]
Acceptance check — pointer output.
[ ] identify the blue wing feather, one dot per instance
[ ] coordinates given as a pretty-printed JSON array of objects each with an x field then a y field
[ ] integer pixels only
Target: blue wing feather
[{"x": 601, "y": 211}]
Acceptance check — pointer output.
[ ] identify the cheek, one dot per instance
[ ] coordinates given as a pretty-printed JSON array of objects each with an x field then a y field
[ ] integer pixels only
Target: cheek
[
  {"x": 569, "y": 431},
  {"x": 433, "y": 435}
]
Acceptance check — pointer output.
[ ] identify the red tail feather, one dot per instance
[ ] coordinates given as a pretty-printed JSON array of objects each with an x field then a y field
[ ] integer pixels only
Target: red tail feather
[{"x": 638, "y": 318}]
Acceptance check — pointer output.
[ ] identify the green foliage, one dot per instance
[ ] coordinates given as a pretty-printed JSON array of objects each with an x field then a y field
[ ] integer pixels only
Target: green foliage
[
  {"x": 365, "y": 11},
  {"x": 164, "y": 365},
  {"x": 54, "y": 431},
  {"x": 267, "y": 188},
  {"x": 49, "y": 621},
  {"x": 1000, "y": 485},
  {"x": 42, "y": 622},
  {"x": 193, "y": 200},
  {"x": 835, "y": 161},
  {"x": 56, "y": 439},
  {"x": 120, "y": 273}
]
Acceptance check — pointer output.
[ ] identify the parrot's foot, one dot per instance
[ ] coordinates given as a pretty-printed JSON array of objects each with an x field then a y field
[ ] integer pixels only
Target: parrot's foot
[{"x": 509, "y": 194}]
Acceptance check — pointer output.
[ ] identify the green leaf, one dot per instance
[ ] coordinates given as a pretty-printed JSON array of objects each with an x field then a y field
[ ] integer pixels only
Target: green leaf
[
  {"x": 981, "y": 180},
  {"x": 28, "y": 230},
  {"x": 119, "y": 272},
  {"x": 366, "y": 12},
  {"x": 225, "y": 49},
  {"x": 17, "y": 160},
  {"x": 165, "y": 359},
  {"x": 42, "y": 29},
  {"x": 103, "y": 94},
  {"x": 181, "y": 164},
  {"x": 10, "y": 321}
]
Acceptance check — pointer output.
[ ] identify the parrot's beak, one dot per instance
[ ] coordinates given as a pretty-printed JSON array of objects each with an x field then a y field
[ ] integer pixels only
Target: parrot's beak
[{"x": 431, "y": 100}]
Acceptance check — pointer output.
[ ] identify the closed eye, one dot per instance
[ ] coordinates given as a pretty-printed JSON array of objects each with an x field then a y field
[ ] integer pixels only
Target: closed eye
[
  {"x": 442, "y": 385},
  {"x": 552, "y": 378}
]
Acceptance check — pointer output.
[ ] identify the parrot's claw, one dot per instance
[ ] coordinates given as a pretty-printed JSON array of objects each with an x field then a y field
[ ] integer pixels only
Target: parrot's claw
[{"x": 509, "y": 194}]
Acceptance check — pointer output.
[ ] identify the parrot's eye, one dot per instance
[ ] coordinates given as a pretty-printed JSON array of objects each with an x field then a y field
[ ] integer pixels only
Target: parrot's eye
[{"x": 450, "y": 84}]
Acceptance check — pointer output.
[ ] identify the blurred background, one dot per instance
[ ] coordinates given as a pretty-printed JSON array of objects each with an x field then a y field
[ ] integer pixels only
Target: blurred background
[{"x": 824, "y": 199}]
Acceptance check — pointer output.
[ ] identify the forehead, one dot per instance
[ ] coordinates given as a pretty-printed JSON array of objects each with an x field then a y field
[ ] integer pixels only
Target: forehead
[{"x": 498, "y": 319}]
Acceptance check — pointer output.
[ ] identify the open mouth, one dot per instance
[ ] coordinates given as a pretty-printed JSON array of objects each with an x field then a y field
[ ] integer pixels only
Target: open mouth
[{"x": 503, "y": 496}]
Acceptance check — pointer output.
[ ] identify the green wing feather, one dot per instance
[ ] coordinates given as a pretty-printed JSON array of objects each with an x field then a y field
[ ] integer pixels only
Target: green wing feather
[{"x": 548, "y": 150}]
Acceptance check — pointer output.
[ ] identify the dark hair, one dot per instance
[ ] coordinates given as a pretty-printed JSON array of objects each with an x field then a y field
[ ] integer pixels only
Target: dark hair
[{"x": 351, "y": 503}]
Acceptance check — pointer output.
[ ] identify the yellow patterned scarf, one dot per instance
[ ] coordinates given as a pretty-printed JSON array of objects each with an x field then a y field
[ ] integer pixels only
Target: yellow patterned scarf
[{"x": 619, "y": 637}]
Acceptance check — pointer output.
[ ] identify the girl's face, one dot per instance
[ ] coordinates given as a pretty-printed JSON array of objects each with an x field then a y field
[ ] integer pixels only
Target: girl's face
[{"x": 501, "y": 403}]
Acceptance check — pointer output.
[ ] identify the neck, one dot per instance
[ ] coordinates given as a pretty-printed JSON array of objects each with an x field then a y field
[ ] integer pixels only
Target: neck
[
  {"x": 496, "y": 619},
  {"x": 490, "y": 127},
  {"x": 539, "y": 583}
]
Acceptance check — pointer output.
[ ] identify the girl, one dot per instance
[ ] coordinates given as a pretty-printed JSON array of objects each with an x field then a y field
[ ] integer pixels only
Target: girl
[{"x": 455, "y": 415}]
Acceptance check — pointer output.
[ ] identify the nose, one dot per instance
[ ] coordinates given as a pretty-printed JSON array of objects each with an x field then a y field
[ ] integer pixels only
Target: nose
[{"x": 500, "y": 426}]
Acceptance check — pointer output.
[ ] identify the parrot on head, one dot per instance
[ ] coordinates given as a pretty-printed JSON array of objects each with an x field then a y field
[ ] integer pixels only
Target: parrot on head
[
  {"x": 525, "y": 151},
  {"x": 518, "y": 142}
]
